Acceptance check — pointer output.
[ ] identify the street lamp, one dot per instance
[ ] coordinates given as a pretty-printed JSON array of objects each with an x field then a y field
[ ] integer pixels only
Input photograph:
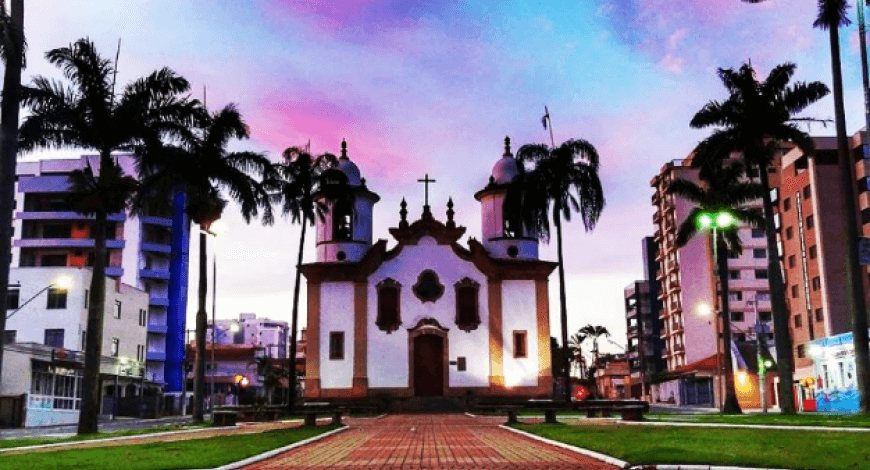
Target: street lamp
[
  {"x": 216, "y": 229},
  {"x": 62, "y": 282}
]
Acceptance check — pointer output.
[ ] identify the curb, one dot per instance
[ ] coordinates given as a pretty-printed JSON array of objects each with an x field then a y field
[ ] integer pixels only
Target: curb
[
  {"x": 695, "y": 467},
  {"x": 274, "y": 452},
  {"x": 778, "y": 427},
  {"x": 579, "y": 450}
]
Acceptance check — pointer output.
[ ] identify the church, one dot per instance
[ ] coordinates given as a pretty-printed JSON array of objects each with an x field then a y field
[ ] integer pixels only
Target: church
[{"x": 427, "y": 316}]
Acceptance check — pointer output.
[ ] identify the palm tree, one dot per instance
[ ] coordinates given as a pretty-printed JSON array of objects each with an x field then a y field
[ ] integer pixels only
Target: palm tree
[
  {"x": 564, "y": 179},
  {"x": 202, "y": 166},
  {"x": 12, "y": 47},
  {"x": 300, "y": 179},
  {"x": 755, "y": 119},
  {"x": 575, "y": 347},
  {"x": 90, "y": 115},
  {"x": 595, "y": 332},
  {"x": 724, "y": 190}
]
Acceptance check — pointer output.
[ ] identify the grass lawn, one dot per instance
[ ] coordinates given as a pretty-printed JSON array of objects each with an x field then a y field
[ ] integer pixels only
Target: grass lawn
[
  {"x": 32, "y": 441},
  {"x": 806, "y": 419},
  {"x": 799, "y": 450},
  {"x": 199, "y": 453}
]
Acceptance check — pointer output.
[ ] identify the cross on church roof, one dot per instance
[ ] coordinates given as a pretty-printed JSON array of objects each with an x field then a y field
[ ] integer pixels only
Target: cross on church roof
[{"x": 426, "y": 182}]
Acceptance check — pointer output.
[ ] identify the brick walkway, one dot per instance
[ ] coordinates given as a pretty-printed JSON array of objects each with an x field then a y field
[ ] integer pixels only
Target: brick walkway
[{"x": 429, "y": 442}]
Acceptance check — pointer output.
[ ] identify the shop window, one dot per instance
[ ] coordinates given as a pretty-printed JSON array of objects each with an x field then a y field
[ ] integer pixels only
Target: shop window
[
  {"x": 520, "y": 346},
  {"x": 389, "y": 313},
  {"x": 336, "y": 345},
  {"x": 342, "y": 221},
  {"x": 467, "y": 304},
  {"x": 56, "y": 298}
]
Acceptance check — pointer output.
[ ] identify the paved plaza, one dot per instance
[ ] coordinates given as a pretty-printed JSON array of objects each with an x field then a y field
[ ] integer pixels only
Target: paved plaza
[{"x": 429, "y": 442}]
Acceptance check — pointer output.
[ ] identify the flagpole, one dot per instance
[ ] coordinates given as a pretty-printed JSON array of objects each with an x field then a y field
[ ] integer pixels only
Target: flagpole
[{"x": 547, "y": 121}]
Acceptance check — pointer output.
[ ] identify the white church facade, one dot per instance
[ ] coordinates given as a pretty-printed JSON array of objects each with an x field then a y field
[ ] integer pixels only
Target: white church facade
[{"x": 427, "y": 316}]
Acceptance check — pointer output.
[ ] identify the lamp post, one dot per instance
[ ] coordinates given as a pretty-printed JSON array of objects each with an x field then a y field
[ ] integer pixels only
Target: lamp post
[
  {"x": 216, "y": 229},
  {"x": 62, "y": 282}
]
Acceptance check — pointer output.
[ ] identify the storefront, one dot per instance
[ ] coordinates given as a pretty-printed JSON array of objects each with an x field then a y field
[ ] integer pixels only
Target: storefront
[{"x": 833, "y": 386}]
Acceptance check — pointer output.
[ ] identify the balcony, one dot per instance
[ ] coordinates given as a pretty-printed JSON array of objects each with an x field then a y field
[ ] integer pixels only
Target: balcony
[
  {"x": 679, "y": 348},
  {"x": 663, "y": 314},
  {"x": 157, "y": 328},
  {"x": 64, "y": 215},
  {"x": 114, "y": 271},
  {"x": 156, "y": 247},
  {"x": 657, "y": 217},
  {"x": 66, "y": 243},
  {"x": 158, "y": 301},
  {"x": 155, "y": 356},
  {"x": 162, "y": 221},
  {"x": 154, "y": 274}
]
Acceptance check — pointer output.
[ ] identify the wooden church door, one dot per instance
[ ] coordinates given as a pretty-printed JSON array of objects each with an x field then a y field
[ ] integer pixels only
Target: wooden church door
[{"x": 428, "y": 366}]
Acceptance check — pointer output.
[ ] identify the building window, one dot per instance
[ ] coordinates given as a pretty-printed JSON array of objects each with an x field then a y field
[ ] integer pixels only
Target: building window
[
  {"x": 87, "y": 298},
  {"x": 763, "y": 296},
  {"x": 9, "y": 336},
  {"x": 342, "y": 223},
  {"x": 807, "y": 192},
  {"x": 764, "y": 317},
  {"x": 116, "y": 345},
  {"x": 84, "y": 339},
  {"x": 54, "y": 338},
  {"x": 794, "y": 291},
  {"x": 737, "y": 316},
  {"x": 428, "y": 287},
  {"x": 336, "y": 345},
  {"x": 12, "y": 296},
  {"x": 467, "y": 310},
  {"x": 511, "y": 227},
  {"x": 757, "y": 233},
  {"x": 760, "y": 274},
  {"x": 759, "y": 253},
  {"x": 460, "y": 363},
  {"x": 56, "y": 298},
  {"x": 143, "y": 317},
  {"x": 811, "y": 221},
  {"x": 740, "y": 337},
  {"x": 520, "y": 349},
  {"x": 817, "y": 283},
  {"x": 786, "y": 204},
  {"x": 735, "y": 296},
  {"x": 140, "y": 353},
  {"x": 801, "y": 351},
  {"x": 389, "y": 313},
  {"x": 798, "y": 321},
  {"x": 789, "y": 233},
  {"x": 819, "y": 315},
  {"x": 734, "y": 274},
  {"x": 792, "y": 261},
  {"x": 813, "y": 252},
  {"x": 733, "y": 254},
  {"x": 117, "y": 311}
]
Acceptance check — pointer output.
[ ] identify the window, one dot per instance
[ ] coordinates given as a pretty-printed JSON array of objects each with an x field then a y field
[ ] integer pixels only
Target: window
[
  {"x": 467, "y": 310},
  {"x": 56, "y": 298},
  {"x": 116, "y": 345},
  {"x": 763, "y": 296},
  {"x": 811, "y": 221},
  {"x": 460, "y": 363},
  {"x": 87, "y": 297},
  {"x": 764, "y": 317},
  {"x": 734, "y": 274},
  {"x": 813, "y": 252},
  {"x": 760, "y": 274},
  {"x": 428, "y": 287},
  {"x": 735, "y": 296},
  {"x": 798, "y": 321},
  {"x": 737, "y": 316},
  {"x": 117, "y": 311},
  {"x": 817, "y": 283},
  {"x": 511, "y": 227},
  {"x": 819, "y": 315},
  {"x": 9, "y": 336},
  {"x": 801, "y": 351},
  {"x": 520, "y": 350},
  {"x": 53, "y": 260},
  {"x": 143, "y": 317},
  {"x": 740, "y": 337},
  {"x": 759, "y": 253},
  {"x": 789, "y": 233},
  {"x": 342, "y": 224},
  {"x": 786, "y": 204},
  {"x": 336, "y": 345},
  {"x": 733, "y": 254},
  {"x": 12, "y": 296},
  {"x": 54, "y": 338},
  {"x": 389, "y": 314},
  {"x": 757, "y": 233},
  {"x": 140, "y": 352},
  {"x": 807, "y": 192},
  {"x": 84, "y": 339},
  {"x": 794, "y": 291},
  {"x": 792, "y": 261}
]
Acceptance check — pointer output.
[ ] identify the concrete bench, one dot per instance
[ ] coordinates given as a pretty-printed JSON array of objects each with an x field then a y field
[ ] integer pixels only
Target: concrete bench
[
  {"x": 310, "y": 411},
  {"x": 631, "y": 410},
  {"x": 224, "y": 417}
]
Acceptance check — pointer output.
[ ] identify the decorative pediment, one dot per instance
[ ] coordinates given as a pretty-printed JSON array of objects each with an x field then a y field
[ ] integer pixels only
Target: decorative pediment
[{"x": 428, "y": 323}]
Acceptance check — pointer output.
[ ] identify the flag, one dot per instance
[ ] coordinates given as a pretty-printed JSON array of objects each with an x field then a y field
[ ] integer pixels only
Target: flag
[{"x": 546, "y": 117}]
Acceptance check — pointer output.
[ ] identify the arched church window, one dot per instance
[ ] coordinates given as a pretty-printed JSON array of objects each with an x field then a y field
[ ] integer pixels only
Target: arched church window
[
  {"x": 428, "y": 288},
  {"x": 342, "y": 221},
  {"x": 389, "y": 314},
  {"x": 467, "y": 310}
]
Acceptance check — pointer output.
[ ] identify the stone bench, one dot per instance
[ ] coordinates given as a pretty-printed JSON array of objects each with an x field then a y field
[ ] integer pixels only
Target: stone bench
[
  {"x": 631, "y": 410},
  {"x": 310, "y": 411}
]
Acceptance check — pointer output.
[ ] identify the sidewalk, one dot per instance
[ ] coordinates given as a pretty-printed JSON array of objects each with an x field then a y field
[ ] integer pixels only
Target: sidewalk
[{"x": 106, "y": 425}]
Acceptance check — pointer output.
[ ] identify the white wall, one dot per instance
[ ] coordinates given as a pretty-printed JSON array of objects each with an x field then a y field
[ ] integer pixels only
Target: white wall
[
  {"x": 519, "y": 312},
  {"x": 388, "y": 353},
  {"x": 336, "y": 314}
]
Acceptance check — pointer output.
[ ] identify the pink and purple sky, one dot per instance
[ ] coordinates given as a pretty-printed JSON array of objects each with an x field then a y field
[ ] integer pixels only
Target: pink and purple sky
[{"x": 433, "y": 86}]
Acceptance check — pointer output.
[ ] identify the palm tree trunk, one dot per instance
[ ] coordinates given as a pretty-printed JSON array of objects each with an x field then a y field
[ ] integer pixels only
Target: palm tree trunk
[
  {"x": 201, "y": 326},
  {"x": 731, "y": 405},
  {"x": 782, "y": 338},
  {"x": 91, "y": 383},
  {"x": 856, "y": 302},
  {"x": 563, "y": 313},
  {"x": 294, "y": 322},
  {"x": 8, "y": 153}
]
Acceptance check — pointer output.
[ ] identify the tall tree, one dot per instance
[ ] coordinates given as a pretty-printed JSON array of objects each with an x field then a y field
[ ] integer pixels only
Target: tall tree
[
  {"x": 301, "y": 179},
  {"x": 755, "y": 119},
  {"x": 724, "y": 189},
  {"x": 201, "y": 164},
  {"x": 563, "y": 180},
  {"x": 575, "y": 349},
  {"x": 12, "y": 46},
  {"x": 88, "y": 114}
]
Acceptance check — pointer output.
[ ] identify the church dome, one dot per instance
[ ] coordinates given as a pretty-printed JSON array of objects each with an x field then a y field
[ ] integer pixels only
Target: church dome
[
  {"x": 348, "y": 167},
  {"x": 506, "y": 169}
]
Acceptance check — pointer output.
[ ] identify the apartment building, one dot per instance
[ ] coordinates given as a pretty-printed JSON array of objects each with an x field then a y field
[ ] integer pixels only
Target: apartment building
[
  {"x": 47, "y": 233},
  {"x": 691, "y": 330},
  {"x": 272, "y": 336},
  {"x": 642, "y": 307}
]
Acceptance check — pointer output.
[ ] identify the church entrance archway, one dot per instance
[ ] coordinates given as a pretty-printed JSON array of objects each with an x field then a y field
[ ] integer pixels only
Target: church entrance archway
[{"x": 428, "y": 361}]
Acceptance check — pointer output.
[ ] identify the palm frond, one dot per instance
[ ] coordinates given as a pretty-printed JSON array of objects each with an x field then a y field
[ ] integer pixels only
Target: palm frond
[{"x": 832, "y": 14}]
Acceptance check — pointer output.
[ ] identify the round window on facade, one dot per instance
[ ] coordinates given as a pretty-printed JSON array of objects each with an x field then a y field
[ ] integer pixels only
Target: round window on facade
[
  {"x": 341, "y": 256},
  {"x": 513, "y": 251}
]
